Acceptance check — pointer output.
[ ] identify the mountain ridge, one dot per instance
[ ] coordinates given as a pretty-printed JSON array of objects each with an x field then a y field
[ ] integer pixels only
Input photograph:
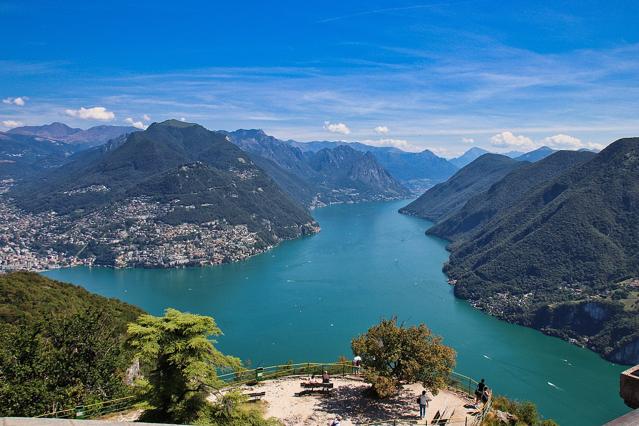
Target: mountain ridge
[
  {"x": 563, "y": 258},
  {"x": 172, "y": 178}
]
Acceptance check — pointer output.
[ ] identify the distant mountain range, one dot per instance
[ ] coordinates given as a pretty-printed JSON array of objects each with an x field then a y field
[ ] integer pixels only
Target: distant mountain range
[
  {"x": 417, "y": 171},
  {"x": 174, "y": 179},
  {"x": 326, "y": 176},
  {"x": 553, "y": 245},
  {"x": 23, "y": 156},
  {"x": 93, "y": 136}
]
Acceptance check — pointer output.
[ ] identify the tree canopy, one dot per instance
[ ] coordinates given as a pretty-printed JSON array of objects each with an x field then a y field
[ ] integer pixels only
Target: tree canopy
[
  {"x": 395, "y": 354},
  {"x": 182, "y": 363}
]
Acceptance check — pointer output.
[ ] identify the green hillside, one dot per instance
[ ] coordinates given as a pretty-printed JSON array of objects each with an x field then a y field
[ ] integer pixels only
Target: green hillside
[
  {"x": 27, "y": 297},
  {"x": 448, "y": 197},
  {"x": 60, "y": 346},
  {"x": 483, "y": 207},
  {"x": 565, "y": 257},
  {"x": 193, "y": 176}
]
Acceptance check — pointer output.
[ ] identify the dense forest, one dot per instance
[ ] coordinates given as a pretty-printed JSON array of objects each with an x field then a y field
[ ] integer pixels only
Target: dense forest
[
  {"x": 60, "y": 346},
  {"x": 554, "y": 245}
]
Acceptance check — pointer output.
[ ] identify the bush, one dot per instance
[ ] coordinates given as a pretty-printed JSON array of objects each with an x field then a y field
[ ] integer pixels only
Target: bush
[
  {"x": 397, "y": 354},
  {"x": 525, "y": 413},
  {"x": 382, "y": 387}
]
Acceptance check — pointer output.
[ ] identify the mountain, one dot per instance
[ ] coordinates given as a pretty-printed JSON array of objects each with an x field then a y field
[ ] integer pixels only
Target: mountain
[
  {"x": 448, "y": 197},
  {"x": 321, "y": 177},
  {"x": 61, "y": 132},
  {"x": 564, "y": 258},
  {"x": 175, "y": 187},
  {"x": 468, "y": 157},
  {"x": 22, "y": 156},
  {"x": 513, "y": 154},
  {"x": 485, "y": 206},
  {"x": 356, "y": 173},
  {"x": 98, "y": 135},
  {"x": 417, "y": 171},
  {"x": 315, "y": 146},
  {"x": 536, "y": 155},
  {"x": 57, "y": 131}
]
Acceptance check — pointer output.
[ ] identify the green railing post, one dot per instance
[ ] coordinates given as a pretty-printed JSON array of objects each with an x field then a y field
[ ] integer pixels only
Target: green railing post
[{"x": 79, "y": 412}]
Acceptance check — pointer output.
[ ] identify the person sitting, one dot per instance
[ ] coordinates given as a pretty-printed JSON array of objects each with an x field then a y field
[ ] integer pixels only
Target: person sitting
[
  {"x": 485, "y": 396},
  {"x": 325, "y": 377},
  {"x": 336, "y": 421}
]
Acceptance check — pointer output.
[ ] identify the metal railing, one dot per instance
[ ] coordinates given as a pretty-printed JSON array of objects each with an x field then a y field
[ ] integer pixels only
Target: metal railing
[
  {"x": 89, "y": 411},
  {"x": 248, "y": 376},
  {"x": 457, "y": 381}
]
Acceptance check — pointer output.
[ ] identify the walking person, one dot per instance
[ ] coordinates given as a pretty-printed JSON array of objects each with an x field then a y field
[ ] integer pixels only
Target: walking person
[{"x": 423, "y": 403}]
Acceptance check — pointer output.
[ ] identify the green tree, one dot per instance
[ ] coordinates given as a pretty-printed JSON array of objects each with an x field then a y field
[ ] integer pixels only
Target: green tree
[
  {"x": 60, "y": 363},
  {"x": 393, "y": 354},
  {"x": 523, "y": 413},
  {"x": 182, "y": 363}
]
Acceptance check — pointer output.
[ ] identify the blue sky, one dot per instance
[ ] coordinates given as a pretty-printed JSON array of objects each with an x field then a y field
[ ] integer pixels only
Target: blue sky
[{"x": 443, "y": 75}]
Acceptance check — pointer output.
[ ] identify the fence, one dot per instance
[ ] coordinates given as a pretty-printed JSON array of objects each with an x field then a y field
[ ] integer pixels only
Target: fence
[
  {"x": 247, "y": 376},
  {"x": 457, "y": 381},
  {"x": 89, "y": 411}
]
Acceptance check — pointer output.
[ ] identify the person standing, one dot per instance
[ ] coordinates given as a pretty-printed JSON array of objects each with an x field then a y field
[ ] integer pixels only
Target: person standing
[
  {"x": 479, "y": 391},
  {"x": 357, "y": 364},
  {"x": 423, "y": 403}
]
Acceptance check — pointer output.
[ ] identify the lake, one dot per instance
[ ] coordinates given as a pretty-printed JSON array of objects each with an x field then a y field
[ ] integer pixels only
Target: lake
[{"x": 305, "y": 300}]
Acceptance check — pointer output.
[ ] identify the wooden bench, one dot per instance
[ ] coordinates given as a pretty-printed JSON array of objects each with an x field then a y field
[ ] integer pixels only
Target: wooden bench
[
  {"x": 441, "y": 419},
  {"x": 310, "y": 387},
  {"x": 255, "y": 396}
]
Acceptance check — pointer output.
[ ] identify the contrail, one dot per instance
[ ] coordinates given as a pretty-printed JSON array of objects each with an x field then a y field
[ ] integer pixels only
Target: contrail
[{"x": 388, "y": 9}]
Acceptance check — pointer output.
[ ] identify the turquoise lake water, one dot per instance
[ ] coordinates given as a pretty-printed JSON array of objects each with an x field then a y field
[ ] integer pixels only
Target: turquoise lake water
[{"x": 305, "y": 300}]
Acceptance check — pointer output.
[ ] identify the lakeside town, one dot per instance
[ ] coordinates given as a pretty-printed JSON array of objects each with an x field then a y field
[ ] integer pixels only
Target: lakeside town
[{"x": 126, "y": 234}]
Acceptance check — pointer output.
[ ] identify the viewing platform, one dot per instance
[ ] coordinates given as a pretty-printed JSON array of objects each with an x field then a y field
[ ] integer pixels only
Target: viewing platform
[
  {"x": 629, "y": 386},
  {"x": 283, "y": 392}
]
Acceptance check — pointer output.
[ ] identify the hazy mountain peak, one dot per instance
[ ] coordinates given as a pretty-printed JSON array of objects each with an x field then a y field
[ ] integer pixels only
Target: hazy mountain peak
[
  {"x": 55, "y": 130},
  {"x": 468, "y": 156},
  {"x": 175, "y": 123}
]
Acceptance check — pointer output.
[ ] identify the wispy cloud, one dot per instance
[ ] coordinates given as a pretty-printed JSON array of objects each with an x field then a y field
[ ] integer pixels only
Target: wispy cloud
[
  {"x": 10, "y": 124},
  {"x": 137, "y": 124},
  {"x": 94, "y": 113},
  {"x": 19, "y": 101},
  {"x": 476, "y": 91},
  {"x": 387, "y": 10},
  {"x": 337, "y": 128}
]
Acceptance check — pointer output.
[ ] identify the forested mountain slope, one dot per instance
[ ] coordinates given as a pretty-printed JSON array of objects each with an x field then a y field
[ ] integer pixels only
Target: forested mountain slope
[
  {"x": 565, "y": 257},
  {"x": 448, "y": 197},
  {"x": 480, "y": 209},
  {"x": 176, "y": 182}
]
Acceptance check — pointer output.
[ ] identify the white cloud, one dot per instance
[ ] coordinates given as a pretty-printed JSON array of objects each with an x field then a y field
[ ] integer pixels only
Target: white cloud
[
  {"x": 337, "y": 128},
  {"x": 146, "y": 117},
  {"x": 382, "y": 130},
  {"x": 182, "y": 118},
  {"x": 136, "y": 124},
  {"x": 562, "y": 141},
  {"x": 402, "y": 144},
  {"x": 95, "y": 113},
  {"x": 19, "y": 101},
  {"x": 509, "y": 140},
  {"x": 11, "y": 123},
  {"x": 468, "y": 140}
]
